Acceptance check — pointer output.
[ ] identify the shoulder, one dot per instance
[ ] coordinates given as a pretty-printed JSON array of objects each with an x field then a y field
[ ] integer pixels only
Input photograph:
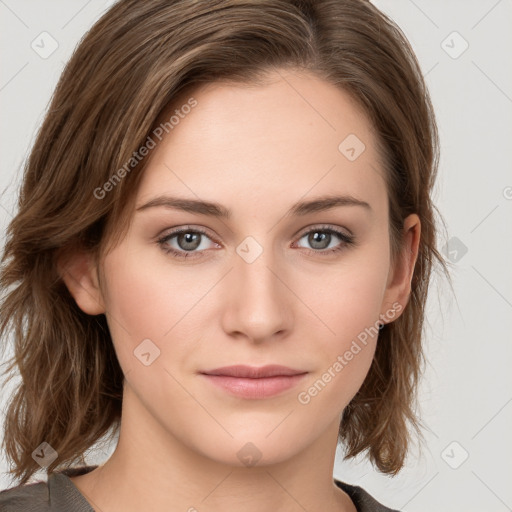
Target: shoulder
[
  {"x": 32, "y": 497},
  {"x": 363, "y": 501},
  {"x": 57, "y": 494}
]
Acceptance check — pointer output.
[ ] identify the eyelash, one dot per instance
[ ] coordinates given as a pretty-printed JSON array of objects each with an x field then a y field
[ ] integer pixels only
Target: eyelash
[{"x": 347, "y": 241}]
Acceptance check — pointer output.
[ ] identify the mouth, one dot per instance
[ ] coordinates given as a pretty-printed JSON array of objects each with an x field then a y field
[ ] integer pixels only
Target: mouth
[{"x": 253, "y": 382}]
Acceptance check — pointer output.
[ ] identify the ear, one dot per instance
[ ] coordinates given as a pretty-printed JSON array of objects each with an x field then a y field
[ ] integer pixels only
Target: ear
[
  {"x": 398, "y": 288},
  {"x": 79, "y": 272}
]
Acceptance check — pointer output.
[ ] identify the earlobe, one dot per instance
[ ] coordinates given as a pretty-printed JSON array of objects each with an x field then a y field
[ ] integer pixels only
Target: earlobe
[
  {"x": 78, "y": 271},
  {"x": 399, "y": 286}
]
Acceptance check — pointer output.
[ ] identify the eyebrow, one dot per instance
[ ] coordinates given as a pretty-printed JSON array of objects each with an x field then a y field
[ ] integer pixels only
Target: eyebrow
[{"x": 213, "y": 209}]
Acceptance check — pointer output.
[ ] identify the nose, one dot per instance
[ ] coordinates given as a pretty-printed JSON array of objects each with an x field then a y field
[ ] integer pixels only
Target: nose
[{"x": 257, "y": 304}]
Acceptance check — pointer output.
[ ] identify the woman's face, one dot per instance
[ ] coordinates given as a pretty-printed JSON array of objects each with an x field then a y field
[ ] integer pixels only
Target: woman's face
[{"x": 270, "y": 284}]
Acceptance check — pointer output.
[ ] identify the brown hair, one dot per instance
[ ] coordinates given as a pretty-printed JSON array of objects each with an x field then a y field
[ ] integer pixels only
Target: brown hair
[{"x": 127, "y": 70}]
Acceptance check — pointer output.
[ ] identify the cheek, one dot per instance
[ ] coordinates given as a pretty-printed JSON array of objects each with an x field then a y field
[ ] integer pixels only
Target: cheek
[
  {"x": 349, "y": 306},
  {"x": 346, "y": 299},
  {"x": 144, "y": 304}
]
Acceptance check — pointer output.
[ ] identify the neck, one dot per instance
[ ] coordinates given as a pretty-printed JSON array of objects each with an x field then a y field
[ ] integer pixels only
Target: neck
[{"x": 160, "y": 473}]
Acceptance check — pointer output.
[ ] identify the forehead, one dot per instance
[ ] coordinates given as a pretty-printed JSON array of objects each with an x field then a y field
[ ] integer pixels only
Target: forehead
[{"x": 296, "y": 135}]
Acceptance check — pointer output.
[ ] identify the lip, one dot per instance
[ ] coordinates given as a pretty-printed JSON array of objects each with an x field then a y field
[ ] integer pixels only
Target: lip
[
  {"x": 254, "y": 382},
  {"x": 254, "y": 372}
]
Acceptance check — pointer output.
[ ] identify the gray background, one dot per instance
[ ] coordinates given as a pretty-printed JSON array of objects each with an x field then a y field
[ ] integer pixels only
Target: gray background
[{"x": 466, "y": 393}]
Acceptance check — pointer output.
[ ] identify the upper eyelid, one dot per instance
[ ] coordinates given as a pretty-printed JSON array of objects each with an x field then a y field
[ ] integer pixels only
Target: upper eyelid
[
  {"x": 186, "y": 229},
  {"x": 323, "y": 227}
]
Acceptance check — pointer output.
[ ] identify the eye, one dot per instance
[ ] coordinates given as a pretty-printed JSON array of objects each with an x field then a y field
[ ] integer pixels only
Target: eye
[
  {"x": 321, "y": 237},
  {"x": 187, "y": 240}
]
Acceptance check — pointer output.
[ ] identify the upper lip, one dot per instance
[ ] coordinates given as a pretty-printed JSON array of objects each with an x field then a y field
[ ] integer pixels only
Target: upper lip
[{"x": 254, "y": 372}]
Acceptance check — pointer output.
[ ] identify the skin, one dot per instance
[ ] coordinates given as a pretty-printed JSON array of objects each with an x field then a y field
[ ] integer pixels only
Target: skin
[{"x": 256, "y": 150}]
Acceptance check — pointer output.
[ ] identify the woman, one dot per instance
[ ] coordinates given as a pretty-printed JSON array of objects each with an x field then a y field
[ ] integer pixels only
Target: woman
[{"x": 222, "y": 253}]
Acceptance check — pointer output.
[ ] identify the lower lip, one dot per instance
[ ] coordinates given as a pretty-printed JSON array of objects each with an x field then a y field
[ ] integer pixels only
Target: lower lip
[{"x": 255, "y": 388}]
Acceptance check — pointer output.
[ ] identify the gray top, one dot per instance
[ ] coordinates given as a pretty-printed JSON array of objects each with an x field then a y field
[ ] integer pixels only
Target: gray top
[{"x": 59, "y": 494}]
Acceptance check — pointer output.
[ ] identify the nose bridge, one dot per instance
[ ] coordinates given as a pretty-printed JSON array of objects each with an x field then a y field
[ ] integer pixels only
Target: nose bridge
[{"x": 257, "y": 305}]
